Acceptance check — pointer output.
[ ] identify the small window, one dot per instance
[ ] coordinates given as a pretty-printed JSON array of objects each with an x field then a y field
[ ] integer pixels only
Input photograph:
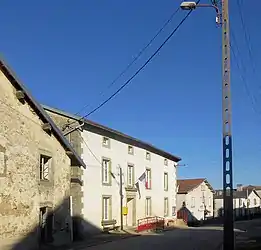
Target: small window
[
  {"x": 202, "y": 187},
  {"x": 166, "y": 182},
  {"x": 45, "y": 164},
  {"x": 106, "y": 208},
  {"x": 130, "y": 150},
  {"x": 255, "y": 201},
  {"x": 148, "y": 179},
  {"x": 193, "y": 202},
  {"x": 209, "y": 201},
  {"x": 148, "y": 206},
  {"x": 166, "y": 162},
  {"x": 106, "y": 176},
  {"x": 166, "y": 207},
  {"x": 106, "y": 142},
  {"x": 130, "y": 175},
  {"x": 240, "y": 202},
  {"x": 148, "y": 155}
]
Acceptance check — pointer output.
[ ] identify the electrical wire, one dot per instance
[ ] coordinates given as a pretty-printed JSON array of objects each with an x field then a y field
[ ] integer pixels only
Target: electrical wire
[
  {"x": 140, "y": 69},
  {"x": 246, "y": 35},
  {"x": 135, "y": 58}
]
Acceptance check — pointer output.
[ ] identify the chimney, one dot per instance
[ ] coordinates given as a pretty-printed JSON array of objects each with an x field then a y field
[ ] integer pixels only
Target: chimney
[{"x": 239, "y": 187}]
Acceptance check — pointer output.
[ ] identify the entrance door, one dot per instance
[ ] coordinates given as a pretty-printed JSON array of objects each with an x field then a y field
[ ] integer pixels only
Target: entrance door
[{"x": 131, "y": 217}]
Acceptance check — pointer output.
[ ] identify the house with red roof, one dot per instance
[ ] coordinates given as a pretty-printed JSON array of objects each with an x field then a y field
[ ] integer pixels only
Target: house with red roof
[{"x": 196, "y": 197}]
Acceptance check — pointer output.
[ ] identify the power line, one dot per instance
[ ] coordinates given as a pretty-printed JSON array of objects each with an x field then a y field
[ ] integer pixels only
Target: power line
[
  {"x": 141, "y": 68},
  {"x": 246, "y": 35},
  {"x": 135, "y": 58}
]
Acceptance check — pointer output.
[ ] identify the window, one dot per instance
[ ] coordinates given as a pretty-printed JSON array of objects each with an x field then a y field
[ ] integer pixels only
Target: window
[
  {"x": 240, "y": 202},
  {"x": 148, "y": 206},
  {"x": 193, "y": 202},
  {"x": 130, "y": 150},
  {"x": 45, "y": 164},
  {"x": 106, "y": 171},
  {"x": 255, "y": 201},
  {"x": 106, "y": 142},
  {"x": 209, "y": 201},
  {"x": 166, "y": 206},
  {"x": 165, "y": 162},
  {"x": 130, "y": 175},
  {"x": 147, "y": 155},
  {"x": 148, "y": 179},
  {"x": 106, "y": 207},
  {"x": 166, "y": 182},
  {"x": 202, "y": 187}
]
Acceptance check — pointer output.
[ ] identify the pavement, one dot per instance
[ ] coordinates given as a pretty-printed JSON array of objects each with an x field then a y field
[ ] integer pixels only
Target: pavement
[{"x": 197, "y": 238}]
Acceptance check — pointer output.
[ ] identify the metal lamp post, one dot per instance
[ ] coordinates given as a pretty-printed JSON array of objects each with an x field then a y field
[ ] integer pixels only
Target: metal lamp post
[{"x": 228, "y": 236}]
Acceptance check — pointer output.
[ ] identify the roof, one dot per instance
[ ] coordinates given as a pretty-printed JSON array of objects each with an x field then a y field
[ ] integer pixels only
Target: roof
[
  {"x": 132, "y": 140},
  {"x": 76, "y": 159},
  {"x": 251, "y": 187},
  {"x": 237, "y": 194},
  {"x": 187, "y": 185}
]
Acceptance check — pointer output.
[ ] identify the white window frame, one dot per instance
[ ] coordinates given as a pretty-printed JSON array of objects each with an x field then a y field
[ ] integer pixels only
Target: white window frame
[
  {"x": 148, "y": 207},
  {"x": 148, "y": 178},
  {"x": 166, "y": 162},
  {"x": 166, "y": 181},
  {"x": 209, "y": 201},
  {"x": 203, "y": 188},
  {"x": 130, "y": 175},
  {"x": 106, "y": 171},
  {"x": 193, "y": 202},
  {"x": 148, "y": 156},
  {"x": 106, "y": 207},
  {"x": 166, "y": 206},
  {"x": 44, "y": 167}
]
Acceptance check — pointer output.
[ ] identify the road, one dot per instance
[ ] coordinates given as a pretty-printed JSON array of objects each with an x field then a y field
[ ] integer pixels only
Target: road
[{"x": 186, "y": 239}]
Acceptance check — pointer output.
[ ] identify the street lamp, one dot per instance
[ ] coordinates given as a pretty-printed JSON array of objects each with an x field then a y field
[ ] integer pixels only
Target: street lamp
[
  {"x": 193, "y": 5},
  {"x": 228, "y": 234}
]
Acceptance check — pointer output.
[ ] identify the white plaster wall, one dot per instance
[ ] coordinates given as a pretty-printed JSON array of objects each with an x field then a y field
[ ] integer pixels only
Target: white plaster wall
[
  {"x": 251, "y": 198},
  {"x": 198, "y": 210},
  {"x": 118, "y": 153}
]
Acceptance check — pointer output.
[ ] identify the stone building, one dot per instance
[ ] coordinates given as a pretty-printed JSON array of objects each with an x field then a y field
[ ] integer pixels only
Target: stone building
[{"x": 36, "y": 162}]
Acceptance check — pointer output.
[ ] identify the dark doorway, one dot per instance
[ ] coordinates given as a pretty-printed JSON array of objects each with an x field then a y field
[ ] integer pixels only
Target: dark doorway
[{"x": 46, "y": 224}]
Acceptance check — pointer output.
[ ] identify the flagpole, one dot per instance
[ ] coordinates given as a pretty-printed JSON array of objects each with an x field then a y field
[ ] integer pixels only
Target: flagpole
[{"x": 121, "y": 197}]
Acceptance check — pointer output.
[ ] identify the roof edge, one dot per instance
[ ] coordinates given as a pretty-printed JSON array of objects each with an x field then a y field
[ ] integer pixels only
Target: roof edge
[
  {"x": 97, "y": 125},
  {"x": 9, "y": 73}
]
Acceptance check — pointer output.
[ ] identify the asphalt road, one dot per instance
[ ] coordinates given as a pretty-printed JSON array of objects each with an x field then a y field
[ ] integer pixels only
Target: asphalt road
[{"x": 186, "y": 239}]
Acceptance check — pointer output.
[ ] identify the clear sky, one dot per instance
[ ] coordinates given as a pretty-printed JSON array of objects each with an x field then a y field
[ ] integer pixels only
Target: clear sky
[{"x": 67, "y": 52}]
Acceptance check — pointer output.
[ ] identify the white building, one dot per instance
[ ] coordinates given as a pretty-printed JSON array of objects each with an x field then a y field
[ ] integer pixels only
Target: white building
[
  {"x": 196, "y": 195},
  {"x": 105, "y": 151},
  {"x": 244, "y": 201}
]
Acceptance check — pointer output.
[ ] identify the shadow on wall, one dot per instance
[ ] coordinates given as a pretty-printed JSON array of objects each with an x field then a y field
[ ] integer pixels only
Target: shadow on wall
[{"x": 56, "y": 227}]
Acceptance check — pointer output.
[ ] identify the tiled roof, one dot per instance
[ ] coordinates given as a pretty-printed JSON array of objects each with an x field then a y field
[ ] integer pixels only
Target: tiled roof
[{"x": 186, "y": 185}]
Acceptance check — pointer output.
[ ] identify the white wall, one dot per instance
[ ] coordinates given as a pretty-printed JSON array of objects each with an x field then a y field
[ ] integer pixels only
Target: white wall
[
  {"x": 198, "y": 210},
  {"x": 118, "y": 153}
]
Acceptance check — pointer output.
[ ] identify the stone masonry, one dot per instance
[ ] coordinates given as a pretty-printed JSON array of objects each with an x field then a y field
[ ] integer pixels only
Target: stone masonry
[
  {"x": 22, "y": 194},
  {"x": 76, "y": 173}
]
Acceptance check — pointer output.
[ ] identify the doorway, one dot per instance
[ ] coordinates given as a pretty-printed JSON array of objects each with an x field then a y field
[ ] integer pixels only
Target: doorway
[
  {"x": 131, "y": 216},
  {"x": 45, "y": 224}
]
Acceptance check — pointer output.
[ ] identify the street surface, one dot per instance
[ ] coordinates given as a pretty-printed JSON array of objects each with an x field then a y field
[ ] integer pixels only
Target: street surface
[{"x": 185, "y": 239}]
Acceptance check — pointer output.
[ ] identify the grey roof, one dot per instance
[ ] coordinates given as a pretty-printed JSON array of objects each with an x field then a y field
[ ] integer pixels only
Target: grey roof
[
  {"x": 236, "y": 194},
  {"x": 76, "y": 159},
  {"x": 133, "y": 140}
]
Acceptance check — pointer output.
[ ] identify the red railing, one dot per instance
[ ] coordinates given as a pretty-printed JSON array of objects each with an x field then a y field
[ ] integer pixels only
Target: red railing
[
  {"x": 183, "y": 214},
  {"x": 151, "y": 223}
]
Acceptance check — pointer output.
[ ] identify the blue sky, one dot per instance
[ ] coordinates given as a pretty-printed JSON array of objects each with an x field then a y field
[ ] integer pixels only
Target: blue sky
[{"x": 67, "y": 53}]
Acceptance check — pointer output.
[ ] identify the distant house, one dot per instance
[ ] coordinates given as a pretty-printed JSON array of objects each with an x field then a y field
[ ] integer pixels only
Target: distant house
[
  {"x": 244, "y": 201},
  {"x": 35, "y": 171},
  {"x": 197, "y": 196}
]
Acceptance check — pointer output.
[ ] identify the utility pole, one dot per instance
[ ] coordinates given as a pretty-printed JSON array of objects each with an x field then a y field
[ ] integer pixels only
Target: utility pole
[
  {"x": 121, "y": 198},
  {"x": 228, "y": 236}
]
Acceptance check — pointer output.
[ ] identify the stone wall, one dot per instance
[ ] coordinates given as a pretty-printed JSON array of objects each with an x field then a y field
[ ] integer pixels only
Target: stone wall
[
  {"x": 76, "y": 172},
  {"x": 22, "y": 140}
]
